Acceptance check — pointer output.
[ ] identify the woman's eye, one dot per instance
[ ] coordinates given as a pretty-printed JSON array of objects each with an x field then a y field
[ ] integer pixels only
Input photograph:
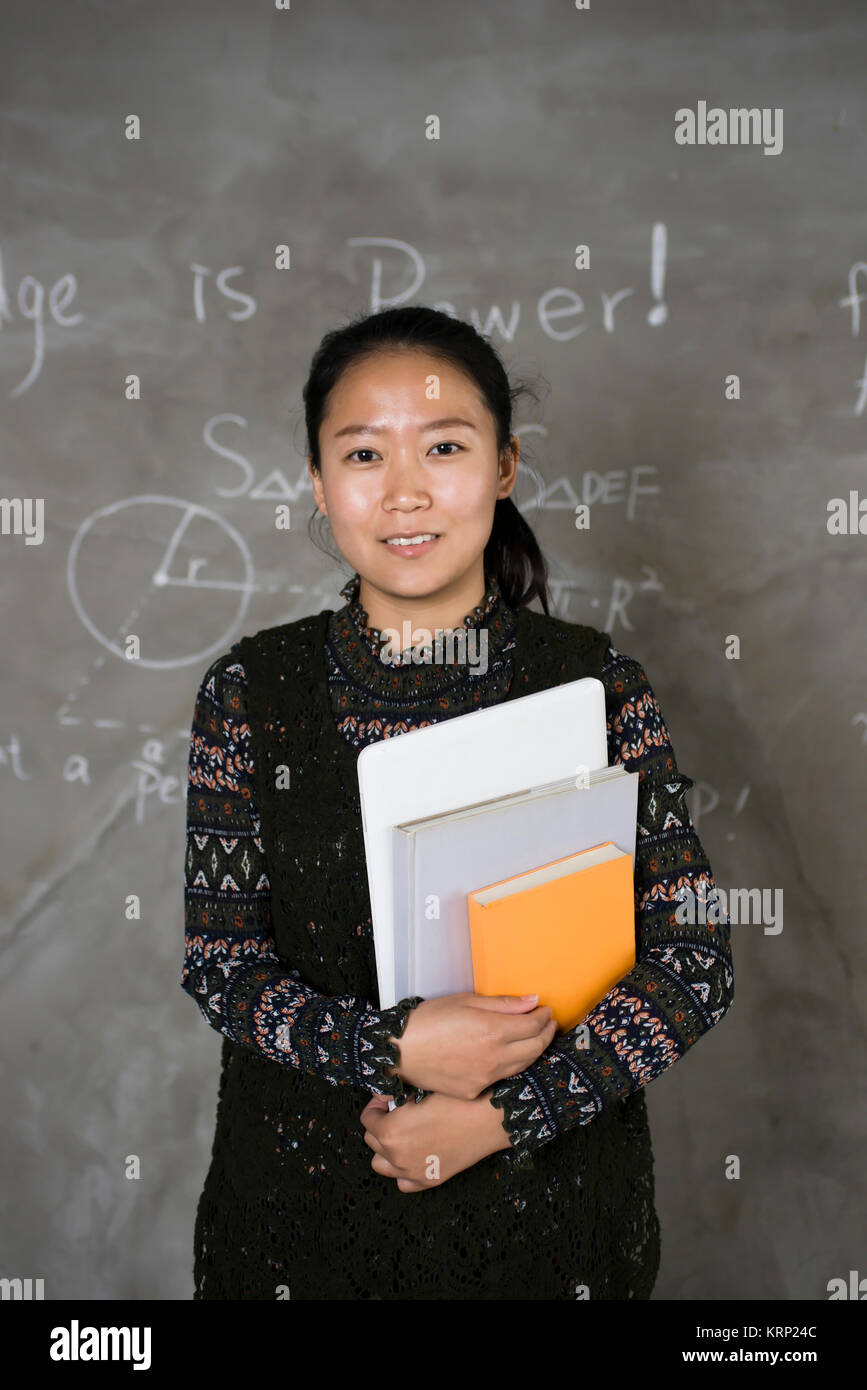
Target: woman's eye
[{"x": 446, "y": 444}]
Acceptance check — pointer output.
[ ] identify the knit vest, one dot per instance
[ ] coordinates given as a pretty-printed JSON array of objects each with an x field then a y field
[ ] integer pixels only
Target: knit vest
[{"x": 289, "y": 1158}]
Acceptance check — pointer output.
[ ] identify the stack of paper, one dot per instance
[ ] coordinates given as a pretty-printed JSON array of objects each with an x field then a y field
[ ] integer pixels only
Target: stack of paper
[
  {"x": 522, "y": 742},
  {"x": 461, "y": 805}
]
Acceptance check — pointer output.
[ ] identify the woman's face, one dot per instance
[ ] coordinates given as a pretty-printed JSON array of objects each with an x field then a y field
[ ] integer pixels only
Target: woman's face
[{"x": 398, "y": 460}]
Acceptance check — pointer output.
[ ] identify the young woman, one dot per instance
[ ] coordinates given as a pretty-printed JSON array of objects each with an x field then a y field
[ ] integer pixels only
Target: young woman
[{"x": 316, "y": 1190}]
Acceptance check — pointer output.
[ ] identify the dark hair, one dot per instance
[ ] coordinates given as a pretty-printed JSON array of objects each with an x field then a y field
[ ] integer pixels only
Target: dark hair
[{"x": 512, "y": 554}]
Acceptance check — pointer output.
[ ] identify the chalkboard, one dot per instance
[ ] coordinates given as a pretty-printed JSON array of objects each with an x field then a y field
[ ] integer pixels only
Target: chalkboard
[{"x": 193, "y": 195}]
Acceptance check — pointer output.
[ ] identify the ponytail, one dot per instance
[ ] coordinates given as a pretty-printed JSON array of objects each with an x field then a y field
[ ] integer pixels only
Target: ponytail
[{"x": 511, "y": 552}]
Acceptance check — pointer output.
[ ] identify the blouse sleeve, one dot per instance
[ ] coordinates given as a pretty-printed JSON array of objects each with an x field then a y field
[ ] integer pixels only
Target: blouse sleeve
[
  {"x": 683, "y": 981},
  {"x": 231, "y": 967}
]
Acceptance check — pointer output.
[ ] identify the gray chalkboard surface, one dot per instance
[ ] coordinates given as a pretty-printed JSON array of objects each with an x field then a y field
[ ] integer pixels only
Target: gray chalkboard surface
[{"x": 704, "y": 370}]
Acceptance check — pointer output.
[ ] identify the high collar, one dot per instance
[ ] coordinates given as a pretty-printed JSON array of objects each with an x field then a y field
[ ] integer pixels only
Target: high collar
[
  {"x": 358, "y": 650},
  {"x": 374, "y": 636}
]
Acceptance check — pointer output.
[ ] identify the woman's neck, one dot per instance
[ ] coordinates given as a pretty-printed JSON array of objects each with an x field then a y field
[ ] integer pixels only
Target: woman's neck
[{"x": 443, "y": 610}]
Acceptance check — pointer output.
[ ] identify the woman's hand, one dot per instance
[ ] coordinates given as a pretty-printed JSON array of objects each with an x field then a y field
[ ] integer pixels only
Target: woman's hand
[
  {"x": 461, "y": 1044},
  {"x": 423, "y": 1145}
]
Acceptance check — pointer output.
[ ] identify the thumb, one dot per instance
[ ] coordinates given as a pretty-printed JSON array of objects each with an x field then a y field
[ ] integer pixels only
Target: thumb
[
  {"x": 508, "y": 1003},
  {"x": 376, "y": 1103}
]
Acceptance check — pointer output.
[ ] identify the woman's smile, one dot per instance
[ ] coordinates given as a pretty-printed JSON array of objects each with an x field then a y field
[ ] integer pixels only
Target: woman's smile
[{"x": 418, "y": 543}]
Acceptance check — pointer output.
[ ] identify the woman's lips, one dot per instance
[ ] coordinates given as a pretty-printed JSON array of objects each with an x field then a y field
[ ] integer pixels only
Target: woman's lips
[{"x": 410, "y": 550}]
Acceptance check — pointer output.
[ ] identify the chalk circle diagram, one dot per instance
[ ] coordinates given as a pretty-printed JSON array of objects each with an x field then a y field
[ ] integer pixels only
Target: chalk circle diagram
[{"x": 149, "y": 551}]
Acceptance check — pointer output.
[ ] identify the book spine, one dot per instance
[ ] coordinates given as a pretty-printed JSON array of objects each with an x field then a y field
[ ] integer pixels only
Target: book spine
[{"x": 478, "y": 934}]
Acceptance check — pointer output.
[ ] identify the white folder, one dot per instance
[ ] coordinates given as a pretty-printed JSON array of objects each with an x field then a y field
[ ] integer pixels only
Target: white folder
[{"x": 509, "y": 747}]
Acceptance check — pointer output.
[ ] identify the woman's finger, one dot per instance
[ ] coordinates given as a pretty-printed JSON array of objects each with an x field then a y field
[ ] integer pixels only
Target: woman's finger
[
  {"x": 380, "y": 1164},
  {"x": 374, "y": 1106}
]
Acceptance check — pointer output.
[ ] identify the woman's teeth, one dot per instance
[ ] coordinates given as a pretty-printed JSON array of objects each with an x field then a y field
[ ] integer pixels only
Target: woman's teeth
[{"x": 412, "y": 540}]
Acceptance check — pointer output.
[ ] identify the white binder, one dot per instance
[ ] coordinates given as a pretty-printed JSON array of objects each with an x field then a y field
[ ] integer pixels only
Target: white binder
[{"x": 509, "y": 747}]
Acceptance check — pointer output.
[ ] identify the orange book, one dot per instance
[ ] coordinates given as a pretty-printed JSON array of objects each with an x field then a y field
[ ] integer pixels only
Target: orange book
[{"x": 564, "y": 931}]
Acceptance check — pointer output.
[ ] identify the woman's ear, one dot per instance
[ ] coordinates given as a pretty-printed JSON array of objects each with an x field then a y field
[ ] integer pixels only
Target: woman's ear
[
  {"x": 509, "y": 467},
  {"x": 316, "y": 480}
]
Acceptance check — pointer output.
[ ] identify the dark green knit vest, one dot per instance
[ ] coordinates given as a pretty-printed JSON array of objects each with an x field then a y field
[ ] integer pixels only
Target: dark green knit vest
[{"x": 301, "y": 1204}]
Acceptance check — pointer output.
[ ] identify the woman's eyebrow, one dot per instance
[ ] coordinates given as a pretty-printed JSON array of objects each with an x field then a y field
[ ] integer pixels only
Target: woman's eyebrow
[{"x": 432, "y": 425}]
